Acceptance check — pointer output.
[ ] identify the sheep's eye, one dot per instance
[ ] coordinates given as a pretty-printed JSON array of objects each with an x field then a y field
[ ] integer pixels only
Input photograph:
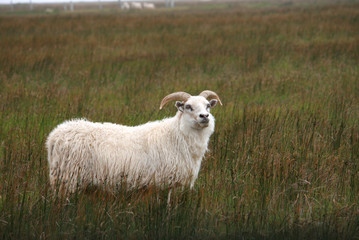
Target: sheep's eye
[
  {"x": 189, "y": 107},
  {"x": 208, "y": 105}
]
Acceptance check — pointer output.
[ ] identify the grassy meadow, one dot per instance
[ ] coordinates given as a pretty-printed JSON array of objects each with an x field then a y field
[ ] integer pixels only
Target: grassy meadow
[{"x": 284, "y": 158}]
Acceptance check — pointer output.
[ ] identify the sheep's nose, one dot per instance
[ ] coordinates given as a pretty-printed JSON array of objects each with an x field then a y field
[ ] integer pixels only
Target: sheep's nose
[{"x": 204, "y": 115}]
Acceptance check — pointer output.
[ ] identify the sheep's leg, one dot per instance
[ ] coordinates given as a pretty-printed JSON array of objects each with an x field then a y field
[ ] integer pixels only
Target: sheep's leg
[{"x": 57, "y": 183}]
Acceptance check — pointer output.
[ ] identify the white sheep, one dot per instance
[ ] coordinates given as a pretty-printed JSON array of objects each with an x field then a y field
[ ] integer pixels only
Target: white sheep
[
  {"x": 136, "y": 5},
  {"x": 167, "y": 152},
  {"x": 149, "y": 6}
]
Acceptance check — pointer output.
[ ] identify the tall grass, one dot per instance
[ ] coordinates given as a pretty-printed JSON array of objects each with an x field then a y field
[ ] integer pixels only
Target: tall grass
[{"x": 283, "y": 161}]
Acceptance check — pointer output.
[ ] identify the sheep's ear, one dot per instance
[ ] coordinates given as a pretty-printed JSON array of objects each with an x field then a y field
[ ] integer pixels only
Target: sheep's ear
[
  {"x": 179, "y": 105},
  {"x": 213, "y": 103}
]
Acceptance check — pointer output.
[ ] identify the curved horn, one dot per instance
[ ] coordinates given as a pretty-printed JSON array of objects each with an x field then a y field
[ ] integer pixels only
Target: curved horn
[
  {"x": 182, "y": 96},
  {"x": 210, "y": 94}
]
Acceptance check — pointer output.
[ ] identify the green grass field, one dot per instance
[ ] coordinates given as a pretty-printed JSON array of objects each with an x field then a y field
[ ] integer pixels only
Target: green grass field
[{"x": 284, "y": 158}]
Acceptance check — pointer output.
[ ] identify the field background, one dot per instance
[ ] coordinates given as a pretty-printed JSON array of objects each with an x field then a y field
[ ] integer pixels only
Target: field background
[{"x": 284, "y": 158}]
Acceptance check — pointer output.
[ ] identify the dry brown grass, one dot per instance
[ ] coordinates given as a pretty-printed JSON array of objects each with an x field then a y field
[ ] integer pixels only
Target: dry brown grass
[{"x": 284, "y": 157}]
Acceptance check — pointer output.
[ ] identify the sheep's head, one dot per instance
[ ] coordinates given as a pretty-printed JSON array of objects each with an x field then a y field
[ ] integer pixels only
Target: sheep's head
[{"x": 195, "y": 109}]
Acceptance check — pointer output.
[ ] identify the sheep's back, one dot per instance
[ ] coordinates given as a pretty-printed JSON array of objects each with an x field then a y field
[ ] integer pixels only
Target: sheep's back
[{"x": 95, "y": 151}]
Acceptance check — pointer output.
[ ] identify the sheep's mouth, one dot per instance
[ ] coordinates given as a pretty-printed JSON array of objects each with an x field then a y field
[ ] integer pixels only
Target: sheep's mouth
[
  {"x": 200, "y": 123},
  {"x": 204, "y": 123}
]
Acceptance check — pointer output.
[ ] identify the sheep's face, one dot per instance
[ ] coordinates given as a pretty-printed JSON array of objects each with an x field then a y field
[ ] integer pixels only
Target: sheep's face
[{"x": 196, "y": 111}]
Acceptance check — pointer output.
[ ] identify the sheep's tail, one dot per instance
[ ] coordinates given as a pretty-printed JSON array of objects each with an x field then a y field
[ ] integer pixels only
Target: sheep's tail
[
  {"x": 53, "y": 161},
  {"x": 50, "y": 144}
]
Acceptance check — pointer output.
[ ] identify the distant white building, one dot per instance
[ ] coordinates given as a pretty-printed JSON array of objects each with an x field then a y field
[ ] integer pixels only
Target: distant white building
[
  {"x": 125, "y": 5},
  {"x": 136, "y": 5},
  {"x": 149, "y": 5}
]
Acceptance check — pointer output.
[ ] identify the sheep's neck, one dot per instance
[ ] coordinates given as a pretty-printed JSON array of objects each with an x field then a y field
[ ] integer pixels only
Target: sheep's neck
[{"x": 197, "y": 140}]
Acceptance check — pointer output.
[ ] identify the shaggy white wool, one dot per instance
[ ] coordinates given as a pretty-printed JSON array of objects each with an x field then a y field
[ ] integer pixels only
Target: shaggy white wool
[{"x": 164, "y": 152}]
